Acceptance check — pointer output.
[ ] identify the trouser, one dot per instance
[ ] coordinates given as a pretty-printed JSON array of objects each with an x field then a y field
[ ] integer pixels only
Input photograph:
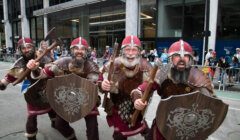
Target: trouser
[
  {"x": 64, "y": 128},
  {"x": 119, "y": 136},
  {"x": 92, "y": 127},
  {"x": 31, "y": 125}
]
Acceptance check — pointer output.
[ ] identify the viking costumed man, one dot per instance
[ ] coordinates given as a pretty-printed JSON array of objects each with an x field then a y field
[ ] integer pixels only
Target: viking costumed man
[
  {"x": 177, "y": 77},
  {"x": 80, "y": 65},
  {"x": 28, "y": 52},
  {"x": 130, "y": 70}
]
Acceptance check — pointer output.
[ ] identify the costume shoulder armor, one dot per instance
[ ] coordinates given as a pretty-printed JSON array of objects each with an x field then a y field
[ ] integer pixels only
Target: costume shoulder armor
[
  {"x": 63, "y": 62},
  {"x": 18, "y": 68},
  {"x": 117, "y": 65},
  {"x": 198, "y": 79},
  {"x": 162, "y": 72},
  {"x": 20, "y": 63},
  {"x": 91, "y": 67},
  {"x": 145, "y": 65}
]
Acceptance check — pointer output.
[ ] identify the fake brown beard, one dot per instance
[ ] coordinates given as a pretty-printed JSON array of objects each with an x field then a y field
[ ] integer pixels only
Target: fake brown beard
[
  {"x": 179, "y": 76},
  {"x": 77, "y": 65},
  {"x": 30, "y": 55}
]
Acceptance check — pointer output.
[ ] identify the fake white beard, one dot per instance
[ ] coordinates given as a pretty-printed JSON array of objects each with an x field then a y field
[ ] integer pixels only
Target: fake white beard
[
  {"x": 130, "y": 72},
  {"x": 128, "y": 64}
]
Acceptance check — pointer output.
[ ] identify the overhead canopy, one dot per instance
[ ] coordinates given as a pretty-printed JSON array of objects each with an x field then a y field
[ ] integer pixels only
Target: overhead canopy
[{"x": 64, "y": 6}]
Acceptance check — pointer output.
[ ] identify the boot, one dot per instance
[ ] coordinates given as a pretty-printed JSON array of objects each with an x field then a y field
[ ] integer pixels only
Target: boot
[
  {"x": 72, "y": 137},
  {"x": 53, "y": 124},
  {"x": 32, "y": 138}
]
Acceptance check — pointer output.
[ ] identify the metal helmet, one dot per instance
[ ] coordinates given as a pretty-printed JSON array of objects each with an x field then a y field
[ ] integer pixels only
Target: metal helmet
[
  {"x": 180, "y": 47},
  {"x": 24, "y": 41},
  {"x": 131, "y": 41},
  {"x": 79, "y": 42}
]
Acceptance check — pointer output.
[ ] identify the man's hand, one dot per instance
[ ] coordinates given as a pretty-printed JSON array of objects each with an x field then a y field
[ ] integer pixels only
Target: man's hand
[
  {"x": 2, "y": 86},
  {"x": 106, "y": 85},
  {"x": 32, "y": 64},
  {"x": 139, "y": 105}
]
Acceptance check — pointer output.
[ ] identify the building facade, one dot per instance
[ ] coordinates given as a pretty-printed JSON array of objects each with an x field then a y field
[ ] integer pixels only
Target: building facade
[
  {"x": 204, "y": 23},
  {"x": 2, "y": 38}
]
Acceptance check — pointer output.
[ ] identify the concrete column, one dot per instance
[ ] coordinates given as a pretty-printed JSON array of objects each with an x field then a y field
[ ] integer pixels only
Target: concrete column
[
  {"x": 45, "y": 19},
  {"x": 24, "y": 20},
  {"x": 132, "y": 17},
  {"x": 7, "y": 25},
  {"x": 213, "y": 23},
  {"x": 162, "y": 20}
]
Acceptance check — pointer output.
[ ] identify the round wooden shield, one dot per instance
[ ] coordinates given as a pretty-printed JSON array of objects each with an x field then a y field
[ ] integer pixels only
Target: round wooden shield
[
  {"x": 71, "y": 96},
  {"x": 192, "y": 116}
]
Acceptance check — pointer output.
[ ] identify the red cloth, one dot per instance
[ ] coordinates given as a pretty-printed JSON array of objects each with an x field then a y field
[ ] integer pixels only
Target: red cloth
[
  {"x": 32, "y": 110},
  {"x": 10, "y": 78},
  {"x": 94, "y": 111},
  {"x": 119, "y": 126},
  {"x": 48, "y": 72},
  {"x": 143, "y": 86},
  {"x": 156, "y": 133}
]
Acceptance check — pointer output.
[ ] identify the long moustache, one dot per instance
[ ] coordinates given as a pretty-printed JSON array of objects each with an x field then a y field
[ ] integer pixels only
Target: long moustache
[{"x": 130, "y": 64}]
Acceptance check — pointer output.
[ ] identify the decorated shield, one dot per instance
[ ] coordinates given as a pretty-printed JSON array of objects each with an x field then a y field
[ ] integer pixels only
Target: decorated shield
[
  {"x": 35, "y": 94},
  {"x": 71, "y": 96},
  {"x": 192, "y": 116}
]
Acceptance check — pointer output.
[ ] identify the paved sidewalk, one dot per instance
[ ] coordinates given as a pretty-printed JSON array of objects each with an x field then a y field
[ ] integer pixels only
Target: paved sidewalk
[{"x": 234, "y": 95}]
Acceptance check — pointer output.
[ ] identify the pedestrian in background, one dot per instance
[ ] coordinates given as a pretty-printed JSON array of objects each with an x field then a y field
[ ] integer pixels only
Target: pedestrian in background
[
  {"x": 164, "y": 56},
  {"x": 195, "y": 57},
  {"x": 209, "y": 54},
  {"x": 106, "y": 55}
]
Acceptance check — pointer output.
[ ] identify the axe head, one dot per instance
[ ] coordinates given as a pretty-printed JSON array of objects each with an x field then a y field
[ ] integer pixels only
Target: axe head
[{"x": 50, "y": 34}]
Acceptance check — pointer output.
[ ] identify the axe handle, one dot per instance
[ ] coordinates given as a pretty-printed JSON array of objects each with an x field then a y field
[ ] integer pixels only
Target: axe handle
[
  {"x": 27, "y": 71},
  {"x": 146, "y": 94}
]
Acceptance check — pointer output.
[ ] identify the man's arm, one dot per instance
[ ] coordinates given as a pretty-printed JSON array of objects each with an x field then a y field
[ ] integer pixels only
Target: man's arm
[
  {"x": 38, "y": 72},
  {"x": 6, "y": 80}
]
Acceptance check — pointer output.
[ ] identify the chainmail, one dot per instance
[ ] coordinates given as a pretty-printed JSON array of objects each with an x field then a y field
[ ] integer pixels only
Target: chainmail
[{"x": 126, "y": 109}]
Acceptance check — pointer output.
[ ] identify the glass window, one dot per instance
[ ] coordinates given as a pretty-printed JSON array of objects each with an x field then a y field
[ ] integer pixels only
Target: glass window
[
  {"x": 33, "y": 28},
  {"x": 13, "y": 9},
  {"x": 40, "y": 28},
  {"x": 107, "y": 23},
  {"x": 169, "y": 19},
  {"x": 32, "y": 5},
  {"x": 100, "y": 23},
  {"x": 228, "y": 25},
  {"x": 147, "y": 18},
  {"x": 181, "y": 18},
  {"x": 19, "y": 28}
]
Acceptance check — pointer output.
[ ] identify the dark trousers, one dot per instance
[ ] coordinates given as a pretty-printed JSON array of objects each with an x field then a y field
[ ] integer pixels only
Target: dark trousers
[
  {"x": 64, "y": 128},
  {"x": 92, "y": 127},
  {"x": 67, "y": 131},
  {"x": 31, "y": 125}
]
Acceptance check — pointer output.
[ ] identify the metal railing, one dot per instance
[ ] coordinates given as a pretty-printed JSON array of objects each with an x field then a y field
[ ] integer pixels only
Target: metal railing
[
  {"x": 224, "y": 78},
  {"x": 8, "y": 57}
]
